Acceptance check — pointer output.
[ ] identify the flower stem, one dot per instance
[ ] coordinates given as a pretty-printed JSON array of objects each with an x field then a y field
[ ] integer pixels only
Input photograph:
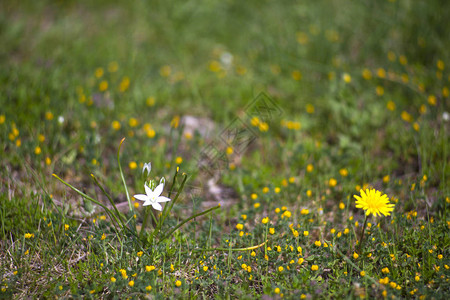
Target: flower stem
[
  {"x": 361, "y": 237},
  {"x": 123, "y": 178}
]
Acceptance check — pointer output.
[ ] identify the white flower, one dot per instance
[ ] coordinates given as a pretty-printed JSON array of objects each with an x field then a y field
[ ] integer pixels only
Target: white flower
[
  {"x": 226, "y": 58},
  {"x": 445, "y": 116},
  {"x": 148, "y": 167},
  {"x": 154, "y": 197}
]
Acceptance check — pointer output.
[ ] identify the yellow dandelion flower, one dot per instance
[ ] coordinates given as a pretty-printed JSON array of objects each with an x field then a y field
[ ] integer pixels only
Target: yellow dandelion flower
[
  {"x": 373, "y": 202},
  {"x": 178, "y": 283}
]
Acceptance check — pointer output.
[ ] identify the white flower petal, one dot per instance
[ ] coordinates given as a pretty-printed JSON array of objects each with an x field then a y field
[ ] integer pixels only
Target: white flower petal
[
  {"x": 148, "y": 191},
  {"x": 158, "y": 190},
  {"x": 157, "y": 206},
  {"x": 162, "y": 199},
  {"x": 141, "y": 197},
  {"x": 147, "y": 203},
  {"x": 148, "y": 167}
]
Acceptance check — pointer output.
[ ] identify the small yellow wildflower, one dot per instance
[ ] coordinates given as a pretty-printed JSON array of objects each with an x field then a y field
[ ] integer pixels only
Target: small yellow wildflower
[
  {"x": 37, "y": 150},
  {"x": 103, "y": 86},
  {"x": 332, "y": 182},
  {"x": 149, "y": 268},
  {"x": 346, "y": 77},
  {"x": 432, "y": 100}
]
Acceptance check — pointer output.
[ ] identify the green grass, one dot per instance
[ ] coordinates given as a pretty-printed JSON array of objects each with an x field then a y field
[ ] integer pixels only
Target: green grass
[{"x": 362, "y": 89}]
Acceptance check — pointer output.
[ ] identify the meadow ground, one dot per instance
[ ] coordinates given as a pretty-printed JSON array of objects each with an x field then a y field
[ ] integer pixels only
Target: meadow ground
[{"x": 266, "y": 119}]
